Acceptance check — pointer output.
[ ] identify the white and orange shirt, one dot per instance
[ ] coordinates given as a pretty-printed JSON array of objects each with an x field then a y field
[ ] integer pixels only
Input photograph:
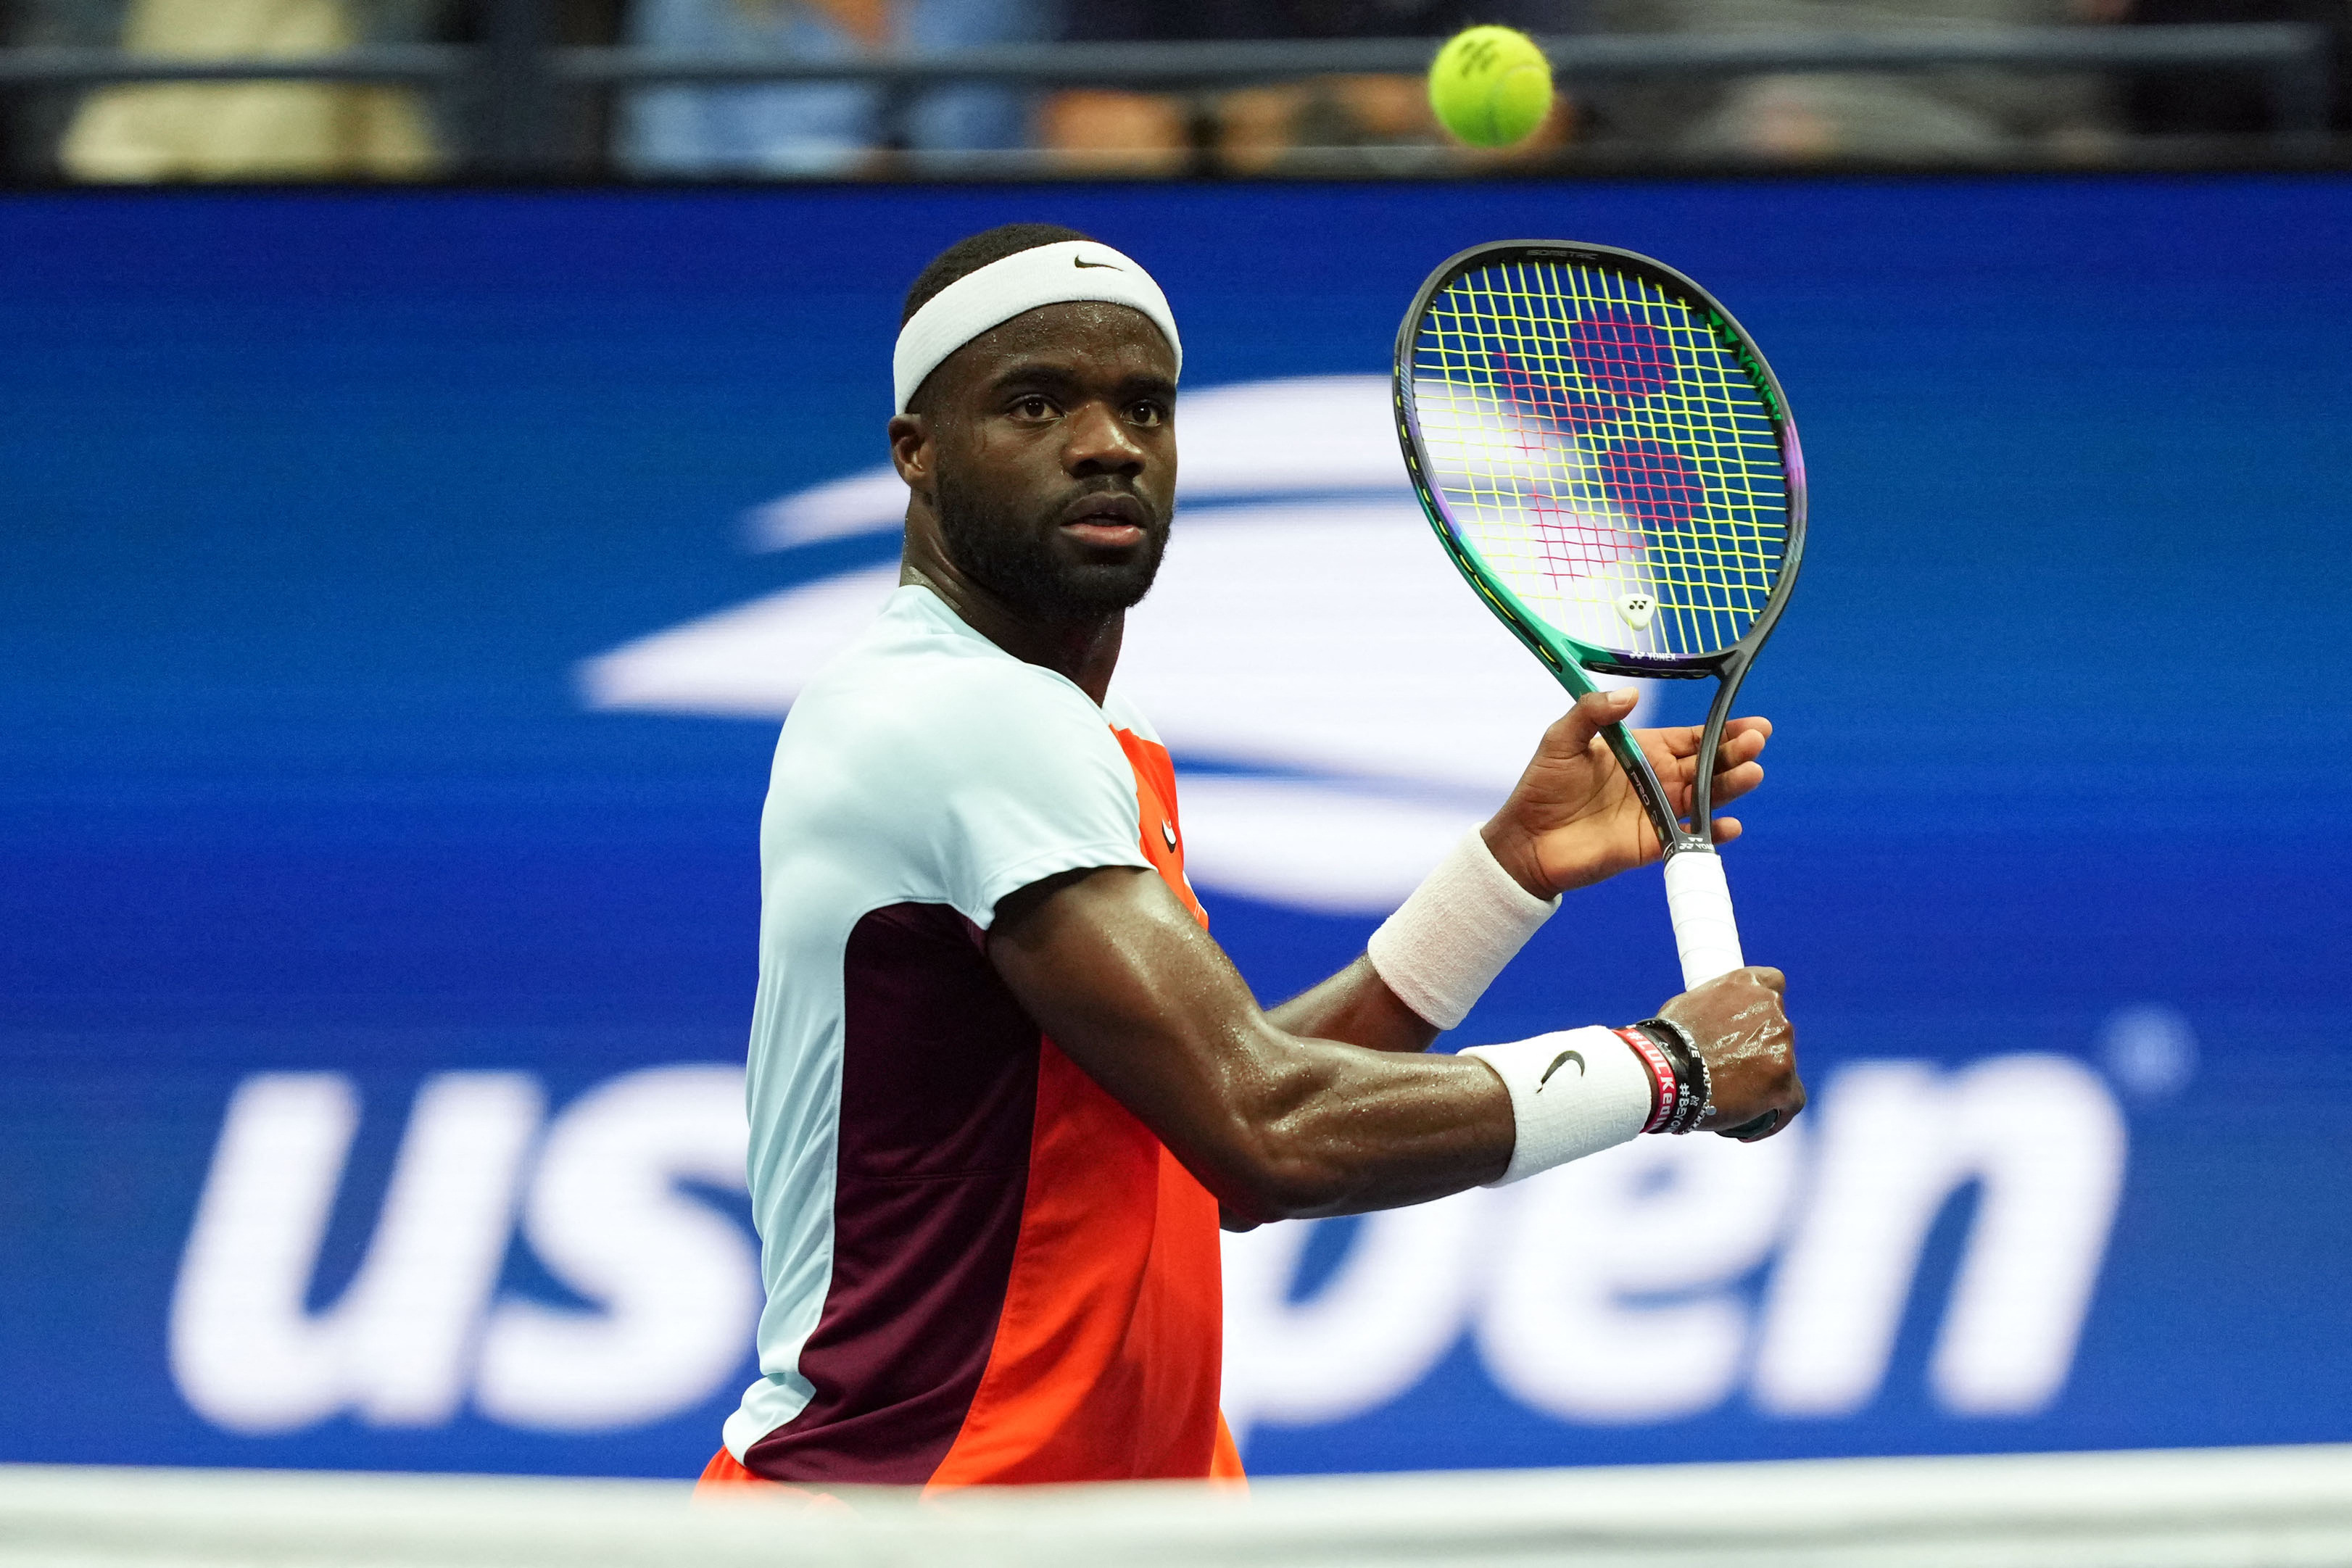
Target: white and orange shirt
[{"x": 979, "y": 1267}]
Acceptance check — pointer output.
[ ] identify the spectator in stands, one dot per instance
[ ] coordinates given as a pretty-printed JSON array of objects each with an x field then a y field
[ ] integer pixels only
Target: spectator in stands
[
  {"x": 819, "y": 128},
  {"x": 1949, "y": 114},
  {"x": 1377, "y": 121},
  {"x": 32, "y": 120},
  {"x": 2220, "y": 103},
  {"x": 243, "y": 130}
]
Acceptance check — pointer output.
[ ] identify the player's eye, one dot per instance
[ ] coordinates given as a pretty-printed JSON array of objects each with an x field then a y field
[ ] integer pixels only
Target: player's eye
[
  {"x": 1033, "y": 406},
  {"x": 1147, "y": 413}
]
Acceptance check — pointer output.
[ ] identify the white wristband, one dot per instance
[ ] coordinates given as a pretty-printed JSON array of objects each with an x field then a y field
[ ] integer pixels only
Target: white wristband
[
  {"x": 1445, "y": 945},
  {"x": 1573, "y": 1093}
]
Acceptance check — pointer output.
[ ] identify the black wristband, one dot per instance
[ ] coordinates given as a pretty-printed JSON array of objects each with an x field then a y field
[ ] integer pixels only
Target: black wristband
[{"x": 1694, "y": 1087}]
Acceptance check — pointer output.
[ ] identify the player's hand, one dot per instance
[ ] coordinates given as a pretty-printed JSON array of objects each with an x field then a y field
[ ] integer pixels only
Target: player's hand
[
  {"x": 1739, "y": 1026},
  {"x": 1574, "y": 819}
]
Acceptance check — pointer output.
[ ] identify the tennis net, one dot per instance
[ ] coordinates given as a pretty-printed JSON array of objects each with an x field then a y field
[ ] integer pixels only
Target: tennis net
[{"x": 2243, "y": 1508}]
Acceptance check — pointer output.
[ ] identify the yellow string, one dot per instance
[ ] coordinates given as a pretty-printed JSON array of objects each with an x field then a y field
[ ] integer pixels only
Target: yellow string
[{"x": 1522, "y": 438}]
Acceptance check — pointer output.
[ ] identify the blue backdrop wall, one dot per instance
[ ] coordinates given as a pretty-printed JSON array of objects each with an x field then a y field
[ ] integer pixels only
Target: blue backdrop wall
[{"x": 377, "y": 906}]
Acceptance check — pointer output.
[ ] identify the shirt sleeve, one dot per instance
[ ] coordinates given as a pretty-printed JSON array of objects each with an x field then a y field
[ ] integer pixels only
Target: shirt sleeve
[{"x": 1034, "y": 785}]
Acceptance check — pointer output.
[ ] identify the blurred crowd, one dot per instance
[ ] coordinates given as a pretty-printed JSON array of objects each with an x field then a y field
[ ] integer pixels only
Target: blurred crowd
[{"x": 1339, "y": 123}]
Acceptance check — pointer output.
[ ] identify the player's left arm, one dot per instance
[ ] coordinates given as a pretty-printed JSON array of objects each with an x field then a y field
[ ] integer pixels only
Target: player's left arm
[
  {"x": 1129, "y": 987},
  {"x": 1572, "y": 821}
]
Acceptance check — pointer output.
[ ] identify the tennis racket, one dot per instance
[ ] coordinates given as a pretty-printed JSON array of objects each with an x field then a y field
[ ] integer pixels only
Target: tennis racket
[{"x": 1610, "y": 462}]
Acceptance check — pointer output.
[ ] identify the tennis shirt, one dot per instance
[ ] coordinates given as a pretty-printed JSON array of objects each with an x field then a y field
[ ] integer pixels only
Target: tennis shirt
[{"x": 979, "y": 1267}]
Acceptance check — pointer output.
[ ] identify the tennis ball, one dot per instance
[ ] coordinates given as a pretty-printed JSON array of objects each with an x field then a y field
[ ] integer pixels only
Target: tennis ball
[{"x": 1490, "y": 86}]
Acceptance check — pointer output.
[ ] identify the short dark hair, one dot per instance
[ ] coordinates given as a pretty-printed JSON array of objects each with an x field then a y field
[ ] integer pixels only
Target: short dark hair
[{"x": 967, "y": 256}]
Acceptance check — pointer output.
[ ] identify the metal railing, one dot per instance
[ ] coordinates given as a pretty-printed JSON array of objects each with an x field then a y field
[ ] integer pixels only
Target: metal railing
[{"x": 511, "y": 79}]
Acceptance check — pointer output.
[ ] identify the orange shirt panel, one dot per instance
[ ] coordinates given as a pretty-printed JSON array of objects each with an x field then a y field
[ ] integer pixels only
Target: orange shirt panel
[{"x": 1110, "y": 1346}]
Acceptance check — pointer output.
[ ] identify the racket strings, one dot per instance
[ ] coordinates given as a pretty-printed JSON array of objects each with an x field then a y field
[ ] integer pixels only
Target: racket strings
[{"x": 1598, "y": 442}]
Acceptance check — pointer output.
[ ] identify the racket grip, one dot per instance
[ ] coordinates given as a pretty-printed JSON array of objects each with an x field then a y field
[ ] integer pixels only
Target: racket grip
[{"x": 1706, "y": 933}]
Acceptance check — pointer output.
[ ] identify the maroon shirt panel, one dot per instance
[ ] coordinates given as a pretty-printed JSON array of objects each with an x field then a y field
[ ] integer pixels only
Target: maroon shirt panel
[{"x": 938, "y": 1094}]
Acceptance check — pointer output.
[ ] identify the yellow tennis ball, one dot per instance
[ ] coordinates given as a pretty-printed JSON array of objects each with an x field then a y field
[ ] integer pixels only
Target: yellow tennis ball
[{"x": 1490, "y": 86}]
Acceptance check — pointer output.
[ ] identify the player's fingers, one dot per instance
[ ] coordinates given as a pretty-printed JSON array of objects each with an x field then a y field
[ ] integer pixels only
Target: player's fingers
[
  {"x": 1593, "y": 712},
  {"x": 1756, "y": 1132},
  {"x": 1743, "y": 739},
  {"x": 1727, "y": 829},
  {"x": 1771, "y": 979},
  {"x": 1736, "y": 749},
  {"x": 1732, "y": 785},
  {"x": 1680, "y": 740}
]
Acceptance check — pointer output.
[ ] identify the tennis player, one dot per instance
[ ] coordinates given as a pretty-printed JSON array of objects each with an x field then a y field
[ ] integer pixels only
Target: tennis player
[{"x": 1002, "y": 1082}]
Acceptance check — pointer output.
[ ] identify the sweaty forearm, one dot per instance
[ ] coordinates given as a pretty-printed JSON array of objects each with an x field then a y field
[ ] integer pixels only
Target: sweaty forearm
[
  {"x": 1319, "y": 1127},
  {"x": 1428, "y": 962},
  {"x": 1356, "y": 1006}
]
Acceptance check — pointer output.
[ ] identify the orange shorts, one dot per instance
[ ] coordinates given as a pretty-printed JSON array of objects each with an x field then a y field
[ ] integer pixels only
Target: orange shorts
[{"x": 724, "y": 1476}]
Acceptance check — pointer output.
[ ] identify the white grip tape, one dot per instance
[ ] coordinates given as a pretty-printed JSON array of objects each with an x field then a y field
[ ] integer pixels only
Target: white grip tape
[
  {"x": 1707, "y": 934},
  {"x": 1573, "y": 1093}
]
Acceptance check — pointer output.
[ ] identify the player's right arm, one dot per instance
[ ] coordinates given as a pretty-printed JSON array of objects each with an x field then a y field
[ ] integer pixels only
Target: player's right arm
[{"x": 1278, "y": 1125}]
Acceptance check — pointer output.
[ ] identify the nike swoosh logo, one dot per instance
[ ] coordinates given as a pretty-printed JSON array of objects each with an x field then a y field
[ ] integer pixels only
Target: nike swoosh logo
[
  {"x": 1558, "y": 1061},
  {"x": 1081, "y": 261}
]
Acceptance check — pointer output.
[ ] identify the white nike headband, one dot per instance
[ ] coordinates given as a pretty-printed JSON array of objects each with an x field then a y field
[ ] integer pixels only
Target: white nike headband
[{"x": 1058, "y": 273}]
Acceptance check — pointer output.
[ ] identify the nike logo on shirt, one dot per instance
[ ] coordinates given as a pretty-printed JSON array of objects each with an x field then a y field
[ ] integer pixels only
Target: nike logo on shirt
[{"x": 1081, "y": 261}]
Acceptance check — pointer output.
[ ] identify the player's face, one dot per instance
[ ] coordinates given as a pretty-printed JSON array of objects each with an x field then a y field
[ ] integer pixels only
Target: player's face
[{"x": 1055, "y": 458}]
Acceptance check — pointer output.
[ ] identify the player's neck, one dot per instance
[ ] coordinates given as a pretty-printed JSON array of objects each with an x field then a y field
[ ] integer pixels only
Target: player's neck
[{"x": 1084, "y": 649}]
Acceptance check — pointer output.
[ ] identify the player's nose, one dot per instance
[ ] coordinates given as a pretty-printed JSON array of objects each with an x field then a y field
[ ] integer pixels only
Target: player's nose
[{"x": 1100, "y": 442}]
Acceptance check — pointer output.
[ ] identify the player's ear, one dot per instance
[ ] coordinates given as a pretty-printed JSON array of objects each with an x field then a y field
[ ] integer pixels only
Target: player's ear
[{"x": 911, "y": 449}]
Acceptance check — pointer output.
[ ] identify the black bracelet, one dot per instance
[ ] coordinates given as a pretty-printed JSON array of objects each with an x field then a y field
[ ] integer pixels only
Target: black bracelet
[
  {"x": 1702, "y": 1076},
  {"x": 1694, "y": 1087}
]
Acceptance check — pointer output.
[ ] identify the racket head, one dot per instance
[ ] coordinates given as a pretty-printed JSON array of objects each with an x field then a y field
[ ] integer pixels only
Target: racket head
[{"x": 1606, "y": 457}]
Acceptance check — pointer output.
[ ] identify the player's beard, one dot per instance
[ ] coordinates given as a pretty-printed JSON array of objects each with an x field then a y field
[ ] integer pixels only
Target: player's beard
[{"x": 1016, "y": 558}]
